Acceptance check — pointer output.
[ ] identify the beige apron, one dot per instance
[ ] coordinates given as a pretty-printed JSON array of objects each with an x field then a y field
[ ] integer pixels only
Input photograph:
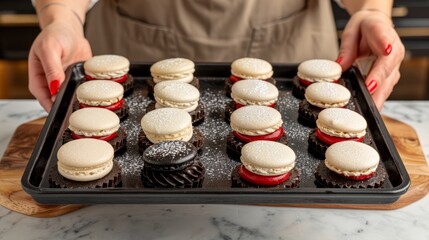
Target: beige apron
[{"x": 287, "y": 31}]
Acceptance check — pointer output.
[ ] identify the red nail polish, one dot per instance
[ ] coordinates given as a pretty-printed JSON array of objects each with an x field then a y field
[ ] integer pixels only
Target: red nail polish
[
  {"x": 54, "y": 87},
  {"x": 372, "y": 85},
  {"x": 339, "y": 60},
  {"x": 388, "y": 49}
]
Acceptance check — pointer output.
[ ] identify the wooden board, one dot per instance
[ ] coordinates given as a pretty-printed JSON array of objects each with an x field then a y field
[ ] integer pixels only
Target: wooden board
[{"x": 18, "y": 152}]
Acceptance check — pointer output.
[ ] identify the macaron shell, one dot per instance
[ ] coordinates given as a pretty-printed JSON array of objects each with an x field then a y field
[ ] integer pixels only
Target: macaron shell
[
  {"x": 319, "y": 70},
  {"x": 352, "y": 157},
  {"x": 99, "y": 91},
  {"x": 256, "y": 120},
  {"x": 85, "y": 159},
  {"x": 164, "y": 121},
  {"x": 94, "y": 122},
  {"x": 178, "y": 92},
  {"x": 172, "y": 66},
  {"x": 251, "y": 68},
  {"x": 106, "y": 66},
  {"x": 267, "y": 158},
  {"x": 325, "y": 94},
  {"x": 254, "y": 91},
  {"x": 341, "y": 120}
]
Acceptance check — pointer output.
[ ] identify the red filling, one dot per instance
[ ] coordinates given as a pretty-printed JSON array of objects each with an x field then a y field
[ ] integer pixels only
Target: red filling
[
  {"x": 274, "y": 136},
  {"x": 262, "y": 180},
  {"x": 112, "y": 107},
  {"x": 359, "y": 178},
  {"x": 308, "y": 83},
  {"x": 238, "y": 105},
  {"x": 331, "y": 140},
  {"x": 105, "y": 138},
  {"x": 234, "y": 78},
  {"x": 120, "y": 79}
]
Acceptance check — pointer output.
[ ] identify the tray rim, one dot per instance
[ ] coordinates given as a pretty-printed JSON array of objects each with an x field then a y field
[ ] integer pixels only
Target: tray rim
[{"x": 246, "y": 196}]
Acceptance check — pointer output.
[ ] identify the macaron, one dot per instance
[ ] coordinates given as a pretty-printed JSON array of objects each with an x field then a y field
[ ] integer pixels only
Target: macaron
[
  {"x": 86, "y": 163},
  {"x": 253, "y": 123},
  {"x": 351, "y": 164},
  {"x": 103, "y": 94},
  {"x": 179, "y": 95},
  {"x": 336, "y": 125},
  {"x": 172, "y": 164},
  {"x": 98, "y": 123},
  {"x": 315, "y": 70},
  {"x": 266, "y": 163},
  {"x": 168, "y": 124},
  {"x": 172, "y": 69},
  {"x": 109, "y": 67},
  {"x": 249, "y": 68},
  {"x": 319, "y": 96}
]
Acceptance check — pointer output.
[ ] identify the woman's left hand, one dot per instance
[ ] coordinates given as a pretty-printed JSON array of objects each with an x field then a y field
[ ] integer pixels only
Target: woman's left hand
[{"x": 371, "y": 33}]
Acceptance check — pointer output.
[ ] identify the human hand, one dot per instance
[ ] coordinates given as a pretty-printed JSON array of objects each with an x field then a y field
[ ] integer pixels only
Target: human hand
[
  {"x": 370, "y": 33},
  {"x": 55, "y": 48}
]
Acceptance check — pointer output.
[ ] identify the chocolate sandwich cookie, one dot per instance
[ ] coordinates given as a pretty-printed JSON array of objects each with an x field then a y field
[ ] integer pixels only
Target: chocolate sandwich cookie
[
  {"x": 178, "y": 95},
  {"x": 319, "y": 96},
  {"x": 251, "y": 92},
  {"x": 85, "y": 163},
  {"x": 253, "y": 123},
  {"x": 249, "y": 68},
  {"x": 109, "y": 67},
  {"x": 266, "y": 164},
  {"x": 97, "y": 123},
  {"x": 315, "y": 70},
  {"x": 172, "y": 69},
  {"x": 336, "y": 125},
  {"x": 102, "y": 94},
  {"x": 168, "y": 124},
  {"x": 172, "y": 164},
  {"x": 351, "y": 164}
]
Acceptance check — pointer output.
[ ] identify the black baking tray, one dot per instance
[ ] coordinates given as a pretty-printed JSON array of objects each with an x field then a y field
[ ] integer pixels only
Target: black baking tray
[{"x": 216, "y": 187}]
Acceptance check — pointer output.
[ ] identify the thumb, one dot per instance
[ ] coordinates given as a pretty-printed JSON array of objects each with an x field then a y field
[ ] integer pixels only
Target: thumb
[{"x": 53, "y": 69}]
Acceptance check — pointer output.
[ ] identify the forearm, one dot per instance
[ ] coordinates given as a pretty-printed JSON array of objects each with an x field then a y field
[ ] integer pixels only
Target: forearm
[
  {"x": 72, "y": 11},
  {"x": 353, "y": 6}
]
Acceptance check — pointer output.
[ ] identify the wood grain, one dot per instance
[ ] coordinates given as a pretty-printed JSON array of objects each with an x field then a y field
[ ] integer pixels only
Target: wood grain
[{"x": 19, "y": 150}]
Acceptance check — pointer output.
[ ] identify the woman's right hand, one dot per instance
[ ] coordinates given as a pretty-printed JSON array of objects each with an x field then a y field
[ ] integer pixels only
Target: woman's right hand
[{"x": 57, "y": 46}]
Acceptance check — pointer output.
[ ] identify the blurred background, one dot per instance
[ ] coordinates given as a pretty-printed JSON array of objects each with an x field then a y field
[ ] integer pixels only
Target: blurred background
[{"x": 18, "y": 28}]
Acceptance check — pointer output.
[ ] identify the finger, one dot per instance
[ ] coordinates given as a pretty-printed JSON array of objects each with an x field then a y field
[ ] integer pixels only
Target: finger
[
  {"x": 380, "y": 37},
  {"x": 37, "y": 83},
  {"x": 50, "y": 59},
  {"x": 349, "y": 45},
  {"x": 385, "y": 89}
]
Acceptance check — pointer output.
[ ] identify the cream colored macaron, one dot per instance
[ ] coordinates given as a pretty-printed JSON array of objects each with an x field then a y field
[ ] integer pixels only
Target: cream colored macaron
[
  {"x": 106, "y": 66},
  {"x": 167, "y": 124},
  {"x": 254, "y": 92},
  {"x": 177, "y": 69},
  {"x": 267, "y": 158},
  {"x": 350, "y": 158},
  {"x": 327, "y": 95},
  {"x": 253, "y": 68},
  {"x": 85, "y": 159},
  {"x": 254, "y": 120},
  {"x": 341, "y": 122},
  {"x": 99, "y": 92},
  {"x": 176, "y": 95},
  {"x": 319, "y": 70},
  {"x": 94, "y": 122}
]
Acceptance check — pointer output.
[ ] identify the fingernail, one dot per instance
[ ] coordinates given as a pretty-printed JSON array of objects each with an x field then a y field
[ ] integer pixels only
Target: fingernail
[
  {"x": 54, "y": 86},
  {"x": 388, "y": 49},
  {"x": 339, "y": 60},
  {"x": 372, "y": 85}
]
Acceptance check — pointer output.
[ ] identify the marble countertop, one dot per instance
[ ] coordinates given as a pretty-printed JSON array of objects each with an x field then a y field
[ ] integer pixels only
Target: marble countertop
[{"x": 220, "y": 221}]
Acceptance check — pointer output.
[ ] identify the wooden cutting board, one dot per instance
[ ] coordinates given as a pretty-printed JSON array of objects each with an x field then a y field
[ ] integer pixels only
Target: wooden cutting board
[{"x": 19, "y": 150}]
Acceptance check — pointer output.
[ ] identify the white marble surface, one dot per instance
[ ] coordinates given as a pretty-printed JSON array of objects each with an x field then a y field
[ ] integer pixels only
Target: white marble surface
[{"x": 220, "y": 221}]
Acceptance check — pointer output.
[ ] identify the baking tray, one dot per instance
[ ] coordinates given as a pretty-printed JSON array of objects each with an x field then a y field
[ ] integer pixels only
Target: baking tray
[{"x": 216, "y": 187}]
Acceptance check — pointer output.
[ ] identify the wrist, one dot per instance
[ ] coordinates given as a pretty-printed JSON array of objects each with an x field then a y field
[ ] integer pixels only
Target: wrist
[{"x": 56, "y": 12}]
